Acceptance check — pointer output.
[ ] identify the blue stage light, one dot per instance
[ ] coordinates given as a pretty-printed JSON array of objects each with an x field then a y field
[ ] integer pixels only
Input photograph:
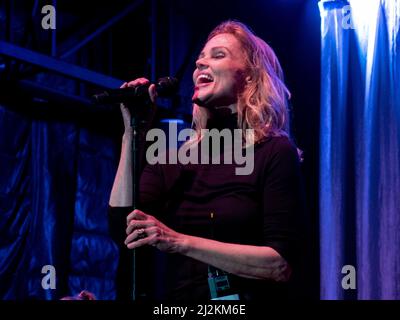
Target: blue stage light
[{"x": 177, "y": 121}]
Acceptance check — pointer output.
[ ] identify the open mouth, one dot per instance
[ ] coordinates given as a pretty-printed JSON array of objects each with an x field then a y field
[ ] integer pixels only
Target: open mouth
[{"x": 204, "y": 79}]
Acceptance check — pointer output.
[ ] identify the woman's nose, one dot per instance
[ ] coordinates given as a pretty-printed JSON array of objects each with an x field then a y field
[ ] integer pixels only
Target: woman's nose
[{"x": 201, "y": 64}]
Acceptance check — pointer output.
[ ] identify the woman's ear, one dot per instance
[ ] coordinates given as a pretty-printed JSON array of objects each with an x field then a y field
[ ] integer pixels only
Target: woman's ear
[{"x": 248, "y": 79}]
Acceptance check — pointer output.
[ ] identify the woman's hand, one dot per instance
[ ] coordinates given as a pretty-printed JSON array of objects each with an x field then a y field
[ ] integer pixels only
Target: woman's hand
[
  {"x": 143, "y": 229},
  {"x": 248, "y": 261},
  {"x": 126, "y": 115}
]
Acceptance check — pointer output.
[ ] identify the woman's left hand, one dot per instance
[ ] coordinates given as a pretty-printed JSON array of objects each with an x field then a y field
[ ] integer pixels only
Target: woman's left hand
[{"x": 143, "y": 229}]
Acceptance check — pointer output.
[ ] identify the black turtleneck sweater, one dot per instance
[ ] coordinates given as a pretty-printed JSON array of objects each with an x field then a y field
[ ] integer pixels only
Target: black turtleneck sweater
[{"x": 259, "y": 209}]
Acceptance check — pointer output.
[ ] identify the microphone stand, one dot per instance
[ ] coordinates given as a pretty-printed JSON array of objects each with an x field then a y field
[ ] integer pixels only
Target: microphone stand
[
  {"x": 135, "y": 186},
  {"x": 142, "y": 113},
  {"x": 138, "y": 118},
  {"x": 166, "y": 87}
]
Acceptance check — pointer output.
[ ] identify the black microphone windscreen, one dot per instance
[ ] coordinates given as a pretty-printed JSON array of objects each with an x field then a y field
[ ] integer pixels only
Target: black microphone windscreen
[{"x": 167, "y": 86}]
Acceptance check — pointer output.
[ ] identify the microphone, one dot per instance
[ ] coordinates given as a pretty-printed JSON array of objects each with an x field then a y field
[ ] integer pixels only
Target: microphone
[{"x": 165, "y": 87}]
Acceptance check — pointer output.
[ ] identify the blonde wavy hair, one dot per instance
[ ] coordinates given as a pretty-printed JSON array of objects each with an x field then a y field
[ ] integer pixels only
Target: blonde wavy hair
[{"x": 263, "y": 103}]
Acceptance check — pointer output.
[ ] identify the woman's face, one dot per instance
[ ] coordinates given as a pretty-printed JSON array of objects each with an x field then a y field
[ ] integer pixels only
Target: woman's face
[{"x": 219, "y": 76}]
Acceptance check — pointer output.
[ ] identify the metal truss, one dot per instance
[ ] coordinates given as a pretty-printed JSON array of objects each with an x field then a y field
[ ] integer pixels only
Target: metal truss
[
  {"x": 55, "y": 63},
  {"x": 58, "y": 66},
  {"x": 34, "y": 62}
]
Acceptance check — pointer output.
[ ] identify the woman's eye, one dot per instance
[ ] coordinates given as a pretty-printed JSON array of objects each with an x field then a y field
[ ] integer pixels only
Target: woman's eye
[{"x": 220, "y": 55}]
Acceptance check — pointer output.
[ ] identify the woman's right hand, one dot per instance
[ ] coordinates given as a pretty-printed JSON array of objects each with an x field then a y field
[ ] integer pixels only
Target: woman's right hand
[{"x": 126, "y": 115}]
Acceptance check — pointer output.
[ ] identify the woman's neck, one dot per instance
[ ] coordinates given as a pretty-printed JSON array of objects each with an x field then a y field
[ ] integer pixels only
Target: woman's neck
[
  {"x": 223, "y": 118},
  {"x": 224, "y": 109}
]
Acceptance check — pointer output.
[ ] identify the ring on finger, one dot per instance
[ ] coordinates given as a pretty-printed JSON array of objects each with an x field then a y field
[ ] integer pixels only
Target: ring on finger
[{"x": 141, "y": 233}]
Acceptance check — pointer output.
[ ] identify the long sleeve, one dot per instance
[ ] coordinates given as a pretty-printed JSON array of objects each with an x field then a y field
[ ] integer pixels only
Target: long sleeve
[{"x": 282, "y": 205}]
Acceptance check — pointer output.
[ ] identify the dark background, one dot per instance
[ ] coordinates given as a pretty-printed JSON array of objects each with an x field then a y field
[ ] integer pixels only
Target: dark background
[{"x": 156, "y": 39}]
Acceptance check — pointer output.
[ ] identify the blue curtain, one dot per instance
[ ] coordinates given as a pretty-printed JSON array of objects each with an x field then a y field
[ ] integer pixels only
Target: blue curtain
[
  {"x": 360, "y": 148},
  {"x": 55, "y": 179}
]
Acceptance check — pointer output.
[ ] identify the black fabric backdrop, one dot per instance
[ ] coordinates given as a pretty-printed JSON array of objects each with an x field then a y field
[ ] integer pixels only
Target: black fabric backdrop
[{"x": 55, "y": 180}]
